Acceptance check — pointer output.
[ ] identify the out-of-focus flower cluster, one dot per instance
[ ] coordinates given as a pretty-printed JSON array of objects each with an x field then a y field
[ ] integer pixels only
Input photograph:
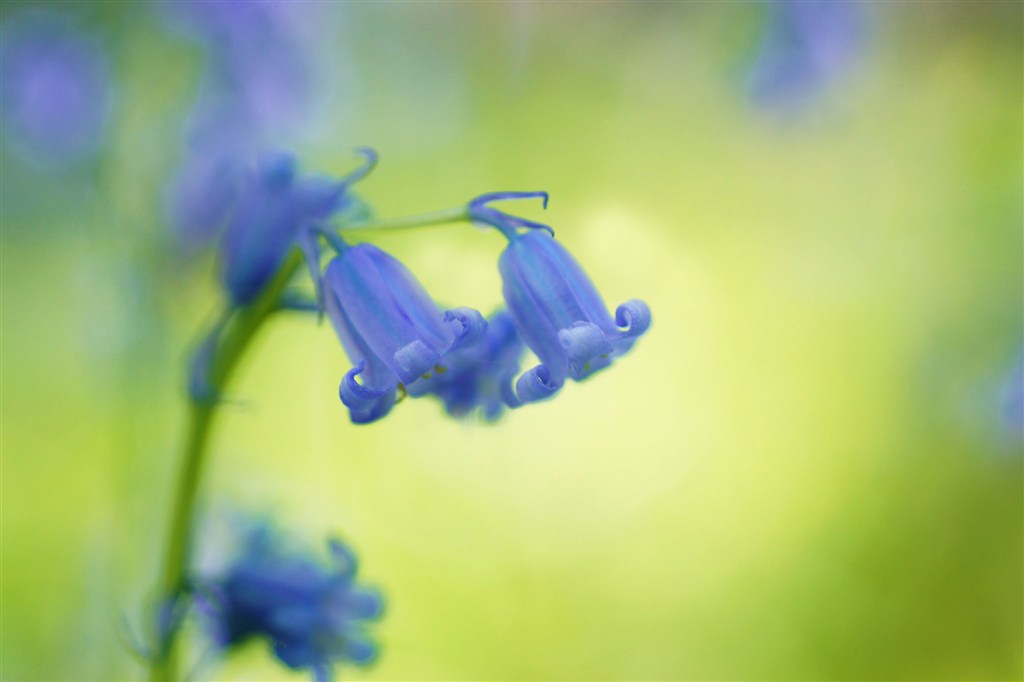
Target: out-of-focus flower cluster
[
  {"x": 256, "y": 91},
  {"x": 312, "y": 613}
]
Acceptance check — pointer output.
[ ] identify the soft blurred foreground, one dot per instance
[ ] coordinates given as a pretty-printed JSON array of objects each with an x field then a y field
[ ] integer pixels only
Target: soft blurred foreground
[{"x": 810, "y": 468}]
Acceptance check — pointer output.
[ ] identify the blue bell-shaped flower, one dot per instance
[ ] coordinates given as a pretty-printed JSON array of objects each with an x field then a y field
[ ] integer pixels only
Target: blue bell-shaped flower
[
  {"x": 389, "y": 326},
  {"x": 272, "y": 209},
  {"x": 311, "y": 614},
  {"x": 479, "y": 375},
  {"x": 557, "y": 310}
]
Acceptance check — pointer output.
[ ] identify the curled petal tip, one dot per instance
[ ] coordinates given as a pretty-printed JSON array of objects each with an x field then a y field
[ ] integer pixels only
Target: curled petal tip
[
  {"x": 633, "y": 317},
  {"x": 471, "y": 326},
  {"x": 370, "y": 158},
  {"x": 365, "y": 405},
  {"x": 585, "y": 345},
  {"x": 537, "y": 384}
]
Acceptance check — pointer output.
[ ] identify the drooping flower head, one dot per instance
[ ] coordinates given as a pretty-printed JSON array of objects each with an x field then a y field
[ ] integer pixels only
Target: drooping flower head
[
  {"x": 391, "y": 329},
  {"x": 806, "y": 44},
  {"x": 556, "y": 309},
  {"x": 55, "y": 89},
  {"x": 479, "y": 376},
  {"x": 273, "y": 207},
  {"x": 313, "y": 614}
]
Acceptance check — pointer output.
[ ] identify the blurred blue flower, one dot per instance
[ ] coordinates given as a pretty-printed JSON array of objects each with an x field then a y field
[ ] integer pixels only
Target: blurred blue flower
[
  {"x": 256, "y": 92},
  {"x": 556, "y": 308},
  {"x": 55, "y": 89},
  {"x": 1012, "y": 400},
  {"x": 479, "y": 375},
  {"x": 389, "y": 326},
  {"x": 273, "y": 206},
  {"x": 311, "y": 614},
  {"x": 806, "y": 44}
]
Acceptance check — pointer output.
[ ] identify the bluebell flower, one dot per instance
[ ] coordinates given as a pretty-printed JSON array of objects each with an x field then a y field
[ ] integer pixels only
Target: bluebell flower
[
  {"x": 312, "y": 614},
  {"x": 390, "y": 327},
  {"x": 479, "y": 375},
  {"x": 806, "y": 44},
  {"x": 55, "y": 89},
  {"x": 273, "y": 207},
  {"x": 557, "y": 310}
]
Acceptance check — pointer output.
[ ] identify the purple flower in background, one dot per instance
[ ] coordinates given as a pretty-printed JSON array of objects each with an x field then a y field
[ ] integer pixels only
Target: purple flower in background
[
  {"x": 806, "y": 44},
  {"x": 256, "y": 92},
  {"x": 272, "y": 208},
  {"x": 313, "y": 614},
  {"x": 557, "y": 310},
  {"x": 55, "y": 89},
  {"x": 478, "y": 376},
  {"x": 391, "y": 329}
]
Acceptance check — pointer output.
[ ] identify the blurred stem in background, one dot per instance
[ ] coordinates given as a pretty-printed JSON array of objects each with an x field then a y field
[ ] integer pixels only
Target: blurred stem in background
[{"x": 228, "y": 342}]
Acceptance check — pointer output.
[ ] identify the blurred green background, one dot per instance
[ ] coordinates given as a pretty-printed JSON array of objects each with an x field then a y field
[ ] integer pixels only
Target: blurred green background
[{"x": 801, "y": 472}]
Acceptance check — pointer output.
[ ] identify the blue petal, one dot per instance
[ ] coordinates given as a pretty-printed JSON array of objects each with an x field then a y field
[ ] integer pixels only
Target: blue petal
[
  {"x": 318, "y": 196},
  {"x": 378, "y": 376},
  {"x": 277, "y": 168},
  {"x": 360, "y": 651},
  {"x": 588, "y": 301},
  {"x": 257, "y": 238},
  {"x": 362, "y": 603},
  {"x": 365, "y": 405},
  {"x": 470, "y": 326},
  {"x": 297, "y": 620},
  {"x": 415, "y": 360},
  {"x": 531, "y": 320},
  {"x": 537, "y": 384},
  {"x": 508, "y": 395},
  {"x": 583, "y": 342},
  {"x": 633, "y": 318},
  {"x": 411, "y": 299},
  {"x": 389, "y": 310},
  {"x": 297, "y": 654}
]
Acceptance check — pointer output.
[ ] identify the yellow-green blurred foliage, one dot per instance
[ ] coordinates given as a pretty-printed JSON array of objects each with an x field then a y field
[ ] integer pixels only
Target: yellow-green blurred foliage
[{"x": 799, "y": 473}]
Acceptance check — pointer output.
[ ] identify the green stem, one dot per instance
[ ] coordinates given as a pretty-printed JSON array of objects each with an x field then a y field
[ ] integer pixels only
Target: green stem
[
  {"x": 448, "y": 215},
  {"x": 241, "y": 329}
]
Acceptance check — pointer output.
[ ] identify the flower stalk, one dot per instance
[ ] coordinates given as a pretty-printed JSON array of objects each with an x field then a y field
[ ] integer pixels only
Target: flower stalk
[{"x": 241, "y": 326}]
